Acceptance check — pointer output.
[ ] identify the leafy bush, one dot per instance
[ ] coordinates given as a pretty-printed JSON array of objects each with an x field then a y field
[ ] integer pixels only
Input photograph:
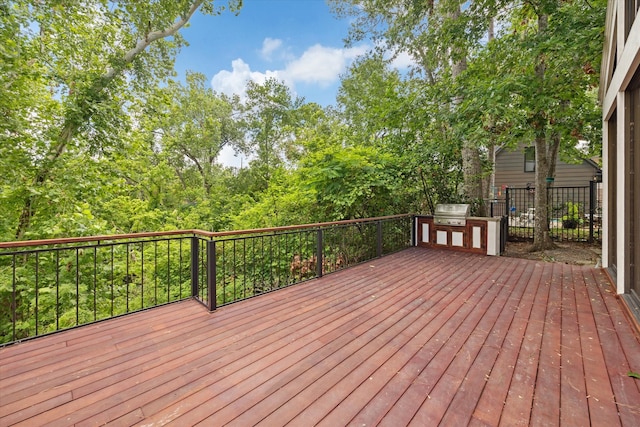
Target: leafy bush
[{"x": 571, "y": 219}]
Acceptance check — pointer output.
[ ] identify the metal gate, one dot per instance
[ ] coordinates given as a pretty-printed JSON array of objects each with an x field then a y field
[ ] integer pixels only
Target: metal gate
[{"x": 574, "y": 213}]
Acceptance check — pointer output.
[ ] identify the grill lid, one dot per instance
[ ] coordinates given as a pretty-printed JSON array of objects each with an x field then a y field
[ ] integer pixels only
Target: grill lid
[{"x": 451, "y": 214}]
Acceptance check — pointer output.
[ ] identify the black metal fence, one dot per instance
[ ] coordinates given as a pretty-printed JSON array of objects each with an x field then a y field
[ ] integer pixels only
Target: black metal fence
[
  {"x": 574, "y": 213},
  {"x": 240, "y": 266},
  {"x": 57, "y": 286},
  {"x": 47, "y": 286}
]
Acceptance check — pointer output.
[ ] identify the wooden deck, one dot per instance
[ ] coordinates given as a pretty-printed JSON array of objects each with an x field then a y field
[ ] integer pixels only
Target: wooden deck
[{"x": 422, "y": 337}]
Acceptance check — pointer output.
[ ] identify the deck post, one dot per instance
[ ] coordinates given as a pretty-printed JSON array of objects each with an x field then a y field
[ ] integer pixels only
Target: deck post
[
  {"x": 507, "y": 212},
  {"x": 592, "y": 207},
  {"x": 413, "y": 223},
  {"x": 379, "y": 238},
  {"x": 211, "y": 274},
  {"x": 195, "y": 258},
  {"x": 319, "y": 255}
]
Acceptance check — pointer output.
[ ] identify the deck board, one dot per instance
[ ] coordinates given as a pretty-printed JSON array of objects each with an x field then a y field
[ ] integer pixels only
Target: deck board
[{"x": 420, "y": 337}]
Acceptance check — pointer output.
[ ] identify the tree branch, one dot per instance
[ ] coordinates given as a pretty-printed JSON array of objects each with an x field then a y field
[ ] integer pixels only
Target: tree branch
[{"x": 153, "y": 36}]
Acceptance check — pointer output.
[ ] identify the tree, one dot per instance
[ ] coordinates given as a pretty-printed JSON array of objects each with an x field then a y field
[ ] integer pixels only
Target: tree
[
  {"x": 397, "y": 116},
  {"x": 92, "y": 58},
  {"x": 269, "y": 122},
  {"x": 353, "y": 182},
  {"x": 196, "y": 126},
  {"x": 535, "y": 82},
  {"x": 439, "y": 36}
]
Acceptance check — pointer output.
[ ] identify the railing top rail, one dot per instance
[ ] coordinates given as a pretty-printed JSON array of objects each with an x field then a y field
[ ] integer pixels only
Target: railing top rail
[{"x": 192, "y": 232}]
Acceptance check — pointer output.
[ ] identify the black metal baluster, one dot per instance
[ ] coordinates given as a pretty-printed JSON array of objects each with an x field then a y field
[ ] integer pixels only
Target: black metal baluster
[
  {"x": 301, "y": 260},
  {"x": 224, "y": 278},
  {"x": 14, "y": 303},
  {"x": 244, "y": 267},
  {"x": 319, "y": 248},
  {"x": 262, "y": 279},
  {"x": 286, "y": 256},
  {"x": 155, "y": 272},
  {"x": 203, "y": 270},
  {"x": 37, "y": 290},
  {"x": 57, "y": 290},
  {"x": 95, "y": 283},
  {"x": 195, "y": 275},
  {"x": 180, "y": 266},
  {"x": 112, "y": 280},
  {"x": 77, "y": 286},
  {"x": 254, "y": 268},
  {"x": 270, "y": 263},
  {"x": 168, "y": 270},
  {"x": 378, "y": 239},
  {"x": 212, "y": 278},
  {"x": 141, "y": 274},
  {"x": 128, "y": 278}
]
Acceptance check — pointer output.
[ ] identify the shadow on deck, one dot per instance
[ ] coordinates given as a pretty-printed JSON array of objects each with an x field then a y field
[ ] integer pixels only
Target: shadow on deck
[{"x": 418, "y": 337}]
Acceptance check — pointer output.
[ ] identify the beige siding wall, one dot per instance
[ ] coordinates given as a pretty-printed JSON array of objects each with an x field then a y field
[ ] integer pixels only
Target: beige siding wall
[{"x": 510, "y": 171}]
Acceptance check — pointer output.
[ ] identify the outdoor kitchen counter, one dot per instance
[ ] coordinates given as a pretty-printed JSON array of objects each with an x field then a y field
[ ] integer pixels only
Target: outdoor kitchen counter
[{"x": 478, "y": 234}]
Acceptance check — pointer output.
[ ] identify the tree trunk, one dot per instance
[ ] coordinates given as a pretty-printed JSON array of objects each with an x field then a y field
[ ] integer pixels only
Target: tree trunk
[
  {"x": 546, "y": 146},
  {"x": 471, "y": 164},
  {"x": 42, "y": 176},
  {"x": 544, "y": 168},
  {"x": 472, "y": 173},
  {"x": 490, "y": 180}
]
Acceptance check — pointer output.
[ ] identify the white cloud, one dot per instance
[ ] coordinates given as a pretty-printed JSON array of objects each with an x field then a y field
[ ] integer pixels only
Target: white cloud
[
  {"x": 317, "y": 65},
  {"x": 402, "y": 61},
  {"x": 234, "y": 82},
  {"x": 230, "y": 157},
  {"x": 269, "y": 46},
  {"x": 320, "y": 64}
]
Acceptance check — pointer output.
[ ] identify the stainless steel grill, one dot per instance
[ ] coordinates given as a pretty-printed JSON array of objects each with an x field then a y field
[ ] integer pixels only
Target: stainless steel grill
[{"x": 451, "y": 214}]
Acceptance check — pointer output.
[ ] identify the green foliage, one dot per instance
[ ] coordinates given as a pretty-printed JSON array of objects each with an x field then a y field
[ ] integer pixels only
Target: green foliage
[
  {"x": 193, "y": 126},
  {"x": 356, "y": 182},
  {"x": 73, "y": 75},
  {"x": 572, "y": 217},
  {"x": 269, "y": 119}
]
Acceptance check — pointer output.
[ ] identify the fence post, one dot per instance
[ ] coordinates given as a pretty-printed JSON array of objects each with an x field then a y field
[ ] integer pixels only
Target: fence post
[
  {"x": 549, "y": 207},
  {"x": 211, "y": 274},
  {"x": 414, "y": 228},
  {"x": 379, "y": 239},
  {"x": 592, "y": 207},
  {"x": 195, "y": 259},
  {"x": 319, "y": 256},
  {"x": 507, "y": 211}
]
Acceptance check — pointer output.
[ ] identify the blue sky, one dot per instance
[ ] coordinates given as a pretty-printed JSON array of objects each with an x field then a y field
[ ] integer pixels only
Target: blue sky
[{"x": 297, "y": 41}]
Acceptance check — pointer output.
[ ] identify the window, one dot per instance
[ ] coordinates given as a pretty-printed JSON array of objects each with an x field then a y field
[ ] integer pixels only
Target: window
[{"x": 530, "y": 159}]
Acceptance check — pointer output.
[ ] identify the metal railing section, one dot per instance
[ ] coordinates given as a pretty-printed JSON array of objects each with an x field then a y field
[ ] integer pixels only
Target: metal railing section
[
  {"x": 254, "y": 262},
  {"x": 57, "y": 284}
]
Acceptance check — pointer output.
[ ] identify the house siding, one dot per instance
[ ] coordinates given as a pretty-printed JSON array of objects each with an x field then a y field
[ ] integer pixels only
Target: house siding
[
  {"x": 510, "y": 171},
  {"x": 620, "y": 97}
]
